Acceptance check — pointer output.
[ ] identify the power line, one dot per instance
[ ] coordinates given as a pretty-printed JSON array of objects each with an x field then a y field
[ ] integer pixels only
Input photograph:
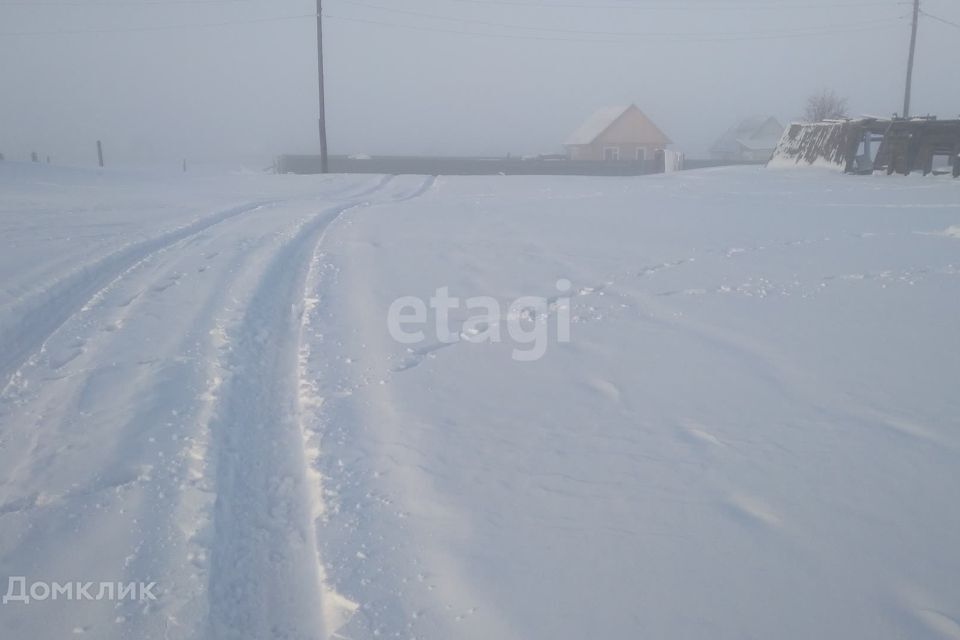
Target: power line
[
  {"x": 682, "y": 5},
  {"x": 167, "y": 27},
  {"x": 615, "y": 34},
  {"x": 580, "y": 35},
  {"x": 939, "y": 19},
  {"x": 692, "y": 37},
  {"x": 115, "y": 3}
]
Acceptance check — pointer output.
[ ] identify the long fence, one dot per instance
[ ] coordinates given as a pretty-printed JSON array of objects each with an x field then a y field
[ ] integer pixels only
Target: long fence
[{"x": 424, "y": 165}]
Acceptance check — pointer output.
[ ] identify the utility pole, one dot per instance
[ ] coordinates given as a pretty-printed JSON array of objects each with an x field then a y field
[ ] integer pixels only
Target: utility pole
[
  {"x": 323, "y": 106},
  {"x": 913, "y": 50}
]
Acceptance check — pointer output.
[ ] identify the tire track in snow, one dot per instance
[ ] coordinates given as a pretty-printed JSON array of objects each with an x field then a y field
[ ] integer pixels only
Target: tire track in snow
[
  {"x": 171, "y": 527},
  {"x": 266, "y": 577},
  {"x": 25, "y": 337},
  {"x": 336, "y": 609},
  {"x": 28, "y": 334}
]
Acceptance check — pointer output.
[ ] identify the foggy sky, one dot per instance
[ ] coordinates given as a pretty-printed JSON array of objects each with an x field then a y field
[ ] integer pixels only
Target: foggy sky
[{"x": 243, "y": 93}]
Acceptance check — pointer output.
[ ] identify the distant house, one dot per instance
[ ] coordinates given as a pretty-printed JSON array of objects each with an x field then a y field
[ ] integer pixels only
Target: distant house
[
  {"x": 617, "y": 134},
  {"x": 752, "y": 140}
]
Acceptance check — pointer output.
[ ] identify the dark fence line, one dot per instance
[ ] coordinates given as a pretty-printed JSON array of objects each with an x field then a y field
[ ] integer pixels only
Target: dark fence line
[{"x": 304, "y": 164}]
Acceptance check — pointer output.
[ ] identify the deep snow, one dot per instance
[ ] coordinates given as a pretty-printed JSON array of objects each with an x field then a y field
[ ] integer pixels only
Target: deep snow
[{"x": 752, "y": 433}]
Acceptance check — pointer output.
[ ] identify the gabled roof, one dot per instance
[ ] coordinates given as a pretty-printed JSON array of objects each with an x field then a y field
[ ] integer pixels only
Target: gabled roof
[
  {"x": 750, "y": 134},
  {"x": 603, "y": 119},
  {"x": 600, "y": 121}
]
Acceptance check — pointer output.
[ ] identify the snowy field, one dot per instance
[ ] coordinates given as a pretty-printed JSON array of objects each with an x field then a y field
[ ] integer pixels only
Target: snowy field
[{"x": 753, "y": 430}]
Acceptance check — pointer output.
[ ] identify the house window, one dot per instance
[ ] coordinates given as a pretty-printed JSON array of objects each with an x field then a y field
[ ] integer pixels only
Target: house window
[
  {"x": 641, "y": 154},
  {"x": 611, "y": 154}
]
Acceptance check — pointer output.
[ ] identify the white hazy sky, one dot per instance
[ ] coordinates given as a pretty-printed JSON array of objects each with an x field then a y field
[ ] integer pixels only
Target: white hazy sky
[{"x": 439, "y": 76}]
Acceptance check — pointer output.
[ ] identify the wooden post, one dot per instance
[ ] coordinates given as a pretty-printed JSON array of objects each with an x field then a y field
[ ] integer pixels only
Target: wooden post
[
  {"x": 913, "y": 51},
  {"x": 323, "y": 106},
  {"x": 909, "y": 158},
  {"x": 100, "y": 153}
]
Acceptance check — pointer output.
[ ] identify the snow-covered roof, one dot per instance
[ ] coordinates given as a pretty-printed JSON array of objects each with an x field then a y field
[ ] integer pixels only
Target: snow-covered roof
[
  {"x": 600, "y": 121},
  {"x": 755, "y": 132}
]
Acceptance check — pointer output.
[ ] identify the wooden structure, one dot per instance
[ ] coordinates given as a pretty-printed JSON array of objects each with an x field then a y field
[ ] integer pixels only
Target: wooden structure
[{"x": 873, "y": 144}]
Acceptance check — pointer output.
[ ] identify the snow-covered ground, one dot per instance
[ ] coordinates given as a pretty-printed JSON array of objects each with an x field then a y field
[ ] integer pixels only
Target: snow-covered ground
[{"x": 752, "y": 432}]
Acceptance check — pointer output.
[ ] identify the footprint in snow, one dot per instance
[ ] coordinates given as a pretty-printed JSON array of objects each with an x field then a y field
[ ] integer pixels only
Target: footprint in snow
[
  {"x": 657, "y": 268},
  {"x": 60, "y": 358},
  {"x": 130, "y": 300},
  {"x": 752, "y": 511},
  {"x": 699, "y": 436},
  {"x": 112, "y": 327},
  {"x": 606, "y": 389},
  {"x": 417, "y": 356},
  {"x": 169, "y": 282},
  {"x": 928, "y": 613},
  {"x": 939, "y": 623}
]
